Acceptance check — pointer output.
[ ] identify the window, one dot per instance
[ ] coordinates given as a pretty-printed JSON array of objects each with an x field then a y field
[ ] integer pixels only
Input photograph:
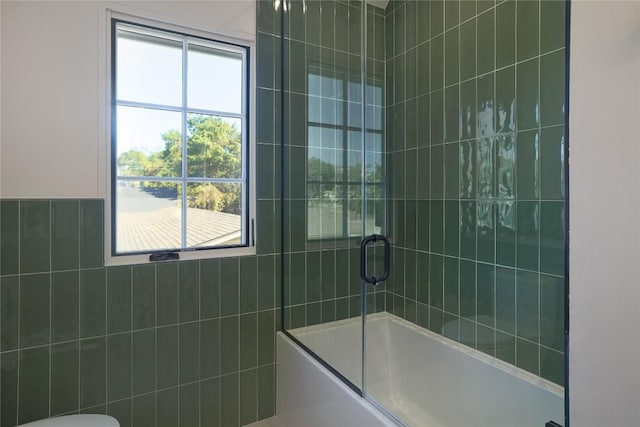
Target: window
[{"x": 180, "y": 142}]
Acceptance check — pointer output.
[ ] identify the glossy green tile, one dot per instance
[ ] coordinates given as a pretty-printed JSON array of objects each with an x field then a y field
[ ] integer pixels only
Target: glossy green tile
[
  {"x": 506, "y": 347},
  {"x": 34, "y": 309},
  {"x": 452, "y": 113},
  {"x": 486, "y": 167},
  {"x": 10, "y": 303},
  {"x": 437, "y": 62},
  {"x": 313, "y": 23},
  {"x": 143, "y": 361},
  {"x": 411, "y": 72},
  {"x": 229, "y": 277},
  {"x": 527, "y": 100},
  {"x": 552, "y": 25},
  {"x": 399, "y": 25},
  {"x": 528, "y": 25},
  {"x": 265, "y": 16},
  {"x": 484, "y": 5},
  {"x": 436, "y": 17},
  {"x": 209, "y": 348},
  {"x": 505, "y": 232},
  {"x": 527, "y": 236},
  {"x": 266, "y": 282},
  {"x": 118, "y": 299},
  {"x": 264, "y": 121},
  {"x": 552, "y": 237},
  {"x": 33, "y": 392},
  {"x": 436, "y": 320},
  {"x": 327, "y": 20},
  {"x": 486, "y": 42},
  {"x": 209, "y": 288},
  {"x": 166, "y": 294},
  {"x": 167, "y": 349},
  {"x": 35, "y": 235},
  {"x": 451, "y": 171},
  {"x": 486, "y": 340},
  {"x": 552, "y": 365},
  {"x": 468, "y": 229},
  {"x": 527, "y": 356},
  {"x": 451, "y": 56},
  {"x": 144, "y": 410},
  {"x": 144, "y": 296},
  {"x": 121, "y": 411},
  {"x": 399, "y": 88},
  {"x": 505, "y": 101},
  {"x": 93, "y": 367},
  {"x": 485, "y": 279},
  {"x": 91, "y": 233},
  {"x": 342, "y": 308},
  {"x": 452, "y": 228},
  {"x": 468, "y": 169},
  {"x": 266, "y": 391},
  {"x": 451, "y": 288},
  {"x": 266, "y": 329},
  {"x": 118, "y": 366},
  {"x": 467, "y": 9},
  {"x": 506, "y": 168},
  {"x": 248, "y": 396},
  {"x": 265, "y": 232},
  {"x": 468, "y": 110},
  {"x": 422, "y": 225},
  {"x": 229, "y": 341},
  {"x": 229, "y": 400},
  {"x": 410, "y": 286},
  {"x": 552, "y": 88},
  {"x": 9, "y": 388},
  {"x": 436, "y": 276},
  {"x": 298, "y": 275},
  {"x": 422, "y": 21},
  {"x": 436, "y": 217},
  {"x": 486, "y": 229},
  {"x": 248, "y": 340},
  {"x": 189, "y": 404},
  {"x": 65, "y": 360},
  {"x": 411, "y": 30},
  {"x": 552, "y": 312},
  {"x": 468, "y": 49},
  {"x": 342, "y": 27},
  {"x": 467, "y": 289},
  {"x": 167, "y": 408},
  {"x": 450, "y": 326},
  {"x": 552, "y": 185},
  {"x": 505, "y": 283},
  {"x": 189, "y": 354},
  {"x": 210, "y": 402},
  {"x": 65, "y": 306},
  {"x": 423, "y": 75},
  {"x": 93, "y": 294},
  {"x": 265, "y": 48},
  {"x": 527, "y": 165},
  {"x": 9, "y": 237},
  {"x": 505, "y": 33},
  {"x": 437, "y": 118},
  {"x": 188, "y": 288},
  {"x": 355, "y": 32},
  {"x": 65, "y": 231},
  {"x": 451, "y": 13},
  {"x": 410, "y": 224},
  {"x": 527, "y": 305},
  {"x": 313, "y": 276}
]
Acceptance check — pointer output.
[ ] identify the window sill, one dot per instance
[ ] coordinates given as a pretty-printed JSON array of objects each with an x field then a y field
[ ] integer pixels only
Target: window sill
[{"x": 184, "y": 256}]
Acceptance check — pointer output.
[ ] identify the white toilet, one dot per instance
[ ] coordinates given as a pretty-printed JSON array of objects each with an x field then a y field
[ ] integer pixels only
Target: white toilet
[{"x": 88, "y": 420}]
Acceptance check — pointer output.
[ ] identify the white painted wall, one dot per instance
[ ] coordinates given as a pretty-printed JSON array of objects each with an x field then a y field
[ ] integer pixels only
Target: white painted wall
[
  {"x": 605, "y": 214},
  {"x": 53, "y": 80}
]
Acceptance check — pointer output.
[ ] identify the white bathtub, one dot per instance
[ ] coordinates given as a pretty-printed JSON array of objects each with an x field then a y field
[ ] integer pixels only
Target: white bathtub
[{"x": 424, "y": 379}]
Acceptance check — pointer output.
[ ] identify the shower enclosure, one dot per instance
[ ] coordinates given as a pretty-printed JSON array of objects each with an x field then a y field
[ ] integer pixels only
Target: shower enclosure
[{"x": 424, "y": 140}]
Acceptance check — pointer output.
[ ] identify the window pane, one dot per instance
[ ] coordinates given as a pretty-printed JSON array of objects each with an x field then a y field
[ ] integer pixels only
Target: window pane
[
  {"x": 214, "y": 147},
  {"x": 214, "y": 79},
  {"x": 148, "y": 216},
  {"x": 148, "y": 69},
  {"x": 214, "y": 214},
  {"x": 149, "y": 142}
]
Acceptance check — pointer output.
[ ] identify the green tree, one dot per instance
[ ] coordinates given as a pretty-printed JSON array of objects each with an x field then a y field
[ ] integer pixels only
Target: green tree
[{"x": 214, "y": 148}]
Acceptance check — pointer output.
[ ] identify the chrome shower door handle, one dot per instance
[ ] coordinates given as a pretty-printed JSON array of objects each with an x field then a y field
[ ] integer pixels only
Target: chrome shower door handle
[{"x": 363, "y": 259}]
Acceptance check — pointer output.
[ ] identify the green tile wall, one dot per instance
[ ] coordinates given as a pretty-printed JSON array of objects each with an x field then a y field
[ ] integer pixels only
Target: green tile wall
[
  {"x": 321, "y": 276},
  {"x": 180, "y": 344},
  {"x": 480, "y": 183},
  {"x": 190, "y": 343}
]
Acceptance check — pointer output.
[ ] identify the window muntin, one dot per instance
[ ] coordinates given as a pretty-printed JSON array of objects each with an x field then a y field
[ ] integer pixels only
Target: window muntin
[{"x": 179, "y": 142}]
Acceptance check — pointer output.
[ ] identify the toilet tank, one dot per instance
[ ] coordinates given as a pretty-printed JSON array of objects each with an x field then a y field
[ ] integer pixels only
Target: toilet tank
[{"x": 88, "y": 420}]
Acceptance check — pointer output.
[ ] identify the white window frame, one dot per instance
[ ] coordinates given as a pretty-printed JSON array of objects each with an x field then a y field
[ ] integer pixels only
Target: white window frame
[{"x": 249, "y": 145}]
